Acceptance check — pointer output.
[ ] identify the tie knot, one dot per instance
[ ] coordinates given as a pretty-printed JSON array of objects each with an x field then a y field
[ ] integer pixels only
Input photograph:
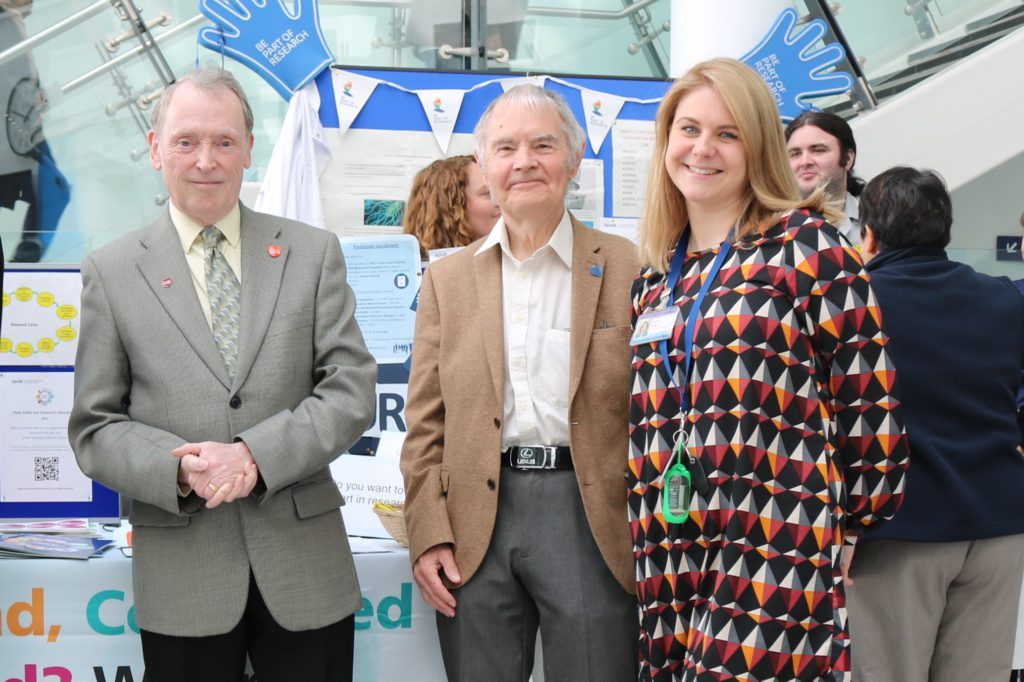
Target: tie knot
[{"x": 211, "y": 237}]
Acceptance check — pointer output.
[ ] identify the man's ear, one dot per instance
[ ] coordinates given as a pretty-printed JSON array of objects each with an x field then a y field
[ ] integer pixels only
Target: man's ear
[
  {"x": 154, "y": 149},
  {"x": 851, "y": 156},
  {"x": 575, "y": 168},
  {"x": 248, "y": 152},
  {"x": 868, "y": 243}
]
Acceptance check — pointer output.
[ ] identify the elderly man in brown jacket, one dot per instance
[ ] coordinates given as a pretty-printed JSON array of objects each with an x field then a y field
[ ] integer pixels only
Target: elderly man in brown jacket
[{"x": 517, "y": 411}]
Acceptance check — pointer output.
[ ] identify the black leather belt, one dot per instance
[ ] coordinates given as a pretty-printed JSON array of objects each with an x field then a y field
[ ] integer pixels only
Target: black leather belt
[{"x": 538, "y": 458}]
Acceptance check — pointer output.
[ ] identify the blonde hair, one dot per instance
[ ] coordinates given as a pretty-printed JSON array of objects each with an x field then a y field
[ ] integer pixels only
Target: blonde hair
[
  {"x": 436, "y": 210},
  {"x": 772, "y": 189}
]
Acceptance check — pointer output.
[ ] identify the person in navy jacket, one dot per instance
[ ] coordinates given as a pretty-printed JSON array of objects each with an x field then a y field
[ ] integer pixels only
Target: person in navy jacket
[{"x": 933, "y": 593}]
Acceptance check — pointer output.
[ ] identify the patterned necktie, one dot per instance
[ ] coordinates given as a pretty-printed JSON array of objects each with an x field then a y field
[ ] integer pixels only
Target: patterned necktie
[{"x": 225, "y": 295}]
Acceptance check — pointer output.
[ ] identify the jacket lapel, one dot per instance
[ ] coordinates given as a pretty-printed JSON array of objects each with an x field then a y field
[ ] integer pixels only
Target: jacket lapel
[
  {"x": 261, "y": 281},
  {"x": 166, "y": 272},
  {"x": 487, "y": 267},
  {"x": 587, "y": 277}
]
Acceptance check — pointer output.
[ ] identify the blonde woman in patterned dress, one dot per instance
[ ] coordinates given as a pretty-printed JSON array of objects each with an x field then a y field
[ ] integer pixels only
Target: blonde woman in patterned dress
[{"x": 793, "y": 439}]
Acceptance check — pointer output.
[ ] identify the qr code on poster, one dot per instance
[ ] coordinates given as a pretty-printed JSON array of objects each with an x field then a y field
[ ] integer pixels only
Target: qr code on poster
[{"x": 47, "y": 468}]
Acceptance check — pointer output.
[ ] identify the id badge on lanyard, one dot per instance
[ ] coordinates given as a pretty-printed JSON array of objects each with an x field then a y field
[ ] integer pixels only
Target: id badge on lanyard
[{"x": 684, "y": 472}]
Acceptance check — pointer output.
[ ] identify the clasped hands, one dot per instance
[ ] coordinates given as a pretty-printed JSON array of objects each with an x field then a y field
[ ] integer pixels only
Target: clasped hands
[{"x": 217, "y": 472}]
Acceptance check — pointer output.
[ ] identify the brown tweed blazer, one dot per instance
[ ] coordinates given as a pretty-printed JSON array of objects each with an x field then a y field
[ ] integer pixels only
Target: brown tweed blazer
[{"x": 450, "y": 459}]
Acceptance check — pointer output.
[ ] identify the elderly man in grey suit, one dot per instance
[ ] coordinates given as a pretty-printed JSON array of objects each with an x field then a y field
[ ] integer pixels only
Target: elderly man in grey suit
[{"x": 220, "y": 369}]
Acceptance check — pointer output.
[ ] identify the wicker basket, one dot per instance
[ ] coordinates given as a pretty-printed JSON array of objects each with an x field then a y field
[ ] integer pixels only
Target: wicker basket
[{"x": 394, "y": 523}]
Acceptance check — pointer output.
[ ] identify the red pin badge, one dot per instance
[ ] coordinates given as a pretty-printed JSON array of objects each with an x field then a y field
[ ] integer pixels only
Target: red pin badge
[
  {"x": 167, "y": 282},
  {"x": 274, "y": 250}
]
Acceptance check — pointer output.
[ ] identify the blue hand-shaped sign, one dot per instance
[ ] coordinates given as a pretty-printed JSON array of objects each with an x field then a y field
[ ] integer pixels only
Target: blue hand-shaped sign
[
  {"x": 287, "y": 49},
  {"x": 793, "y": 69}
]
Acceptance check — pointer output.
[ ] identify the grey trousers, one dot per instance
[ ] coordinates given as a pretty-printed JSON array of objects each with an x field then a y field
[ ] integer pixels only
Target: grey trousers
[
  {"x": 934, "y": 611},
  {"x": 542, "y": 569}
]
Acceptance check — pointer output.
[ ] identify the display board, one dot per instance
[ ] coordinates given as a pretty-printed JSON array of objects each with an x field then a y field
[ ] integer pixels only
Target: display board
[
  {"x": 383, "y": 125},
  {"x": 39, "y": 477}
]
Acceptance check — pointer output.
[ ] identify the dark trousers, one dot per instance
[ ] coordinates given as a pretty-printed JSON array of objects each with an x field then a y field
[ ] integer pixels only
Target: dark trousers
[{"x": 277, "y": 654}]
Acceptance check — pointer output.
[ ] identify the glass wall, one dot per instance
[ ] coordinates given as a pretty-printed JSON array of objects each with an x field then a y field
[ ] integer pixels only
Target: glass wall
[
  {"x": 599, "y": 37},
  {"x": 94, "y": 100},
  {"x": 97, "y": 83},
  {"x": 890, "y": 37}
]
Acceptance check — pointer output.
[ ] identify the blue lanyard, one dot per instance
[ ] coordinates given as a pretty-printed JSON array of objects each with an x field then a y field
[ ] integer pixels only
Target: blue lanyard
[{"x": 674, "y": 272}]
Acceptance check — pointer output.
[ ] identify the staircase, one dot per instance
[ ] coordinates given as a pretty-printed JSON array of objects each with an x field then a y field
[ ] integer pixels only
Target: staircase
[
  {"x": 956, "y": 107},
  {"x": 926, "y": 63}
]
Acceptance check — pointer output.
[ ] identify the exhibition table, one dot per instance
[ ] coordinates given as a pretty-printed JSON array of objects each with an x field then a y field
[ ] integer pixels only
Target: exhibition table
[{"x": 63, "y": 620}]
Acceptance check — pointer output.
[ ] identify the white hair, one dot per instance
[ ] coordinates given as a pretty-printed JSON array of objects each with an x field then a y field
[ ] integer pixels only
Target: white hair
[
  {"x": 535, "y": 98},
  {"x": 209, "y": 80}
]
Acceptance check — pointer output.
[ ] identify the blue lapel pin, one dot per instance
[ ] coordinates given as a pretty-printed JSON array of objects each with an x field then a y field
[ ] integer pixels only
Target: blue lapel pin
[{"x": 596, "y": 270}]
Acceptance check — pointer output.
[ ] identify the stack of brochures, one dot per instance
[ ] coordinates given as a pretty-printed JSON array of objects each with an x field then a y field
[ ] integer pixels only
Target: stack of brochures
[
  {"x": 80, "y": 527},
  {"x": 43, "y": 546}
]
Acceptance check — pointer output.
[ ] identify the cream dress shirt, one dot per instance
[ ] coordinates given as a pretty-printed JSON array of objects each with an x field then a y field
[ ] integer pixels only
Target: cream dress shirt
[
  {"x": 537, "y": 312},
  {"x": 189, "y": 232}
]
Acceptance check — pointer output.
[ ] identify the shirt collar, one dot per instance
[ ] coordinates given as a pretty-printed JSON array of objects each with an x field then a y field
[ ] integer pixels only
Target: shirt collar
[
  {"x": 560, "y": 242},
  {"x": 852, "y": 206},
  {"x": 850, "y": 225},
  {"x": 908, "y": 254},
  {"x": 188, "y": 230},
  {"x": 852, "y": 209}
]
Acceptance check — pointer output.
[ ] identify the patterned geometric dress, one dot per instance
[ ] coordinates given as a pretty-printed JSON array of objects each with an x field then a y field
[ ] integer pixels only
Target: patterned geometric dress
[{"x": 795, "y": 420}]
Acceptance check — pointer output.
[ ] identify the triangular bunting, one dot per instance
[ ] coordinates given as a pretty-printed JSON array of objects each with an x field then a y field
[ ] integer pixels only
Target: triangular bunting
[
  {"x": 600, "y": 110},
  {"x": 442, "y": 110},
  {"x": 351, "y": 92}
]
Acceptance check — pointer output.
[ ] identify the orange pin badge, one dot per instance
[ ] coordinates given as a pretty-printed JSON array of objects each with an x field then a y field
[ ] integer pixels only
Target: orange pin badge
[
  {"x": 167, "y": 282},
  {"x": 274, "y": 250}
]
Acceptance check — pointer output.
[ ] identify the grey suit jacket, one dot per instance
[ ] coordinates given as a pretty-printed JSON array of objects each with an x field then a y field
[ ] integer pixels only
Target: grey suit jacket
[{"x": 149, "y": 378}]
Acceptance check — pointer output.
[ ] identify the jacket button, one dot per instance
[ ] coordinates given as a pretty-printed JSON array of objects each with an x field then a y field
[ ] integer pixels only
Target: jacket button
[
  {"x": 235, "y": 402},
  {"x": 490, "y": 484},
  {"x": 497, "y": 423}
]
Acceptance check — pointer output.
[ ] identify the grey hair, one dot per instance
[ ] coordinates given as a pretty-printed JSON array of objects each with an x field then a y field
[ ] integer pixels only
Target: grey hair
[
  {"x": 210, "y": 80},
  {"x": 534, "y": 97}
]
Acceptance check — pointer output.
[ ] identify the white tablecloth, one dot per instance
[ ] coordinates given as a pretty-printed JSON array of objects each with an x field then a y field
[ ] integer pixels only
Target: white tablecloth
[{"x": 66, "y": 620}]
